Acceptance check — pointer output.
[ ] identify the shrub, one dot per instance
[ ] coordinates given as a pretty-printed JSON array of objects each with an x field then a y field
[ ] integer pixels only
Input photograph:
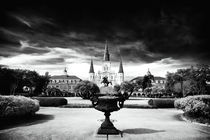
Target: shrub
[
  {"x": 53, "y": 92},
  {"x": 117, "y": 88},
  {"x": 51, "y": 101},
  {"x": 196, "y": 106},
  {"x": 162, "y": 103},
  {"x": 86, "y": 89},
  {"x": 15, "y": 106},
  {"x": 126, "y": 89}
]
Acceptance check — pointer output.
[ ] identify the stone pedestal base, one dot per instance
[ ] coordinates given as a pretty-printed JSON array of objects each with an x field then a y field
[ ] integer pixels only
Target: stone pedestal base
[{"x": 107, "y": 127}]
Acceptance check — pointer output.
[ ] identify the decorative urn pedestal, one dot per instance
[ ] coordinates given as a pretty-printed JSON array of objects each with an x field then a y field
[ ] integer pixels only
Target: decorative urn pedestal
[{"x": 108, "y": 104}]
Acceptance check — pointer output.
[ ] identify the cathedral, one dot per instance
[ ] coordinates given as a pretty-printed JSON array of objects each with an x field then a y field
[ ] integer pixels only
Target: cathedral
[{"x": 113, "y": 77}]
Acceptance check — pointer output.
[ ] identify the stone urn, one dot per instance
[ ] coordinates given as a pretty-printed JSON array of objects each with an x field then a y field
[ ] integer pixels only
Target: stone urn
[{"x": 107, "y": 103}]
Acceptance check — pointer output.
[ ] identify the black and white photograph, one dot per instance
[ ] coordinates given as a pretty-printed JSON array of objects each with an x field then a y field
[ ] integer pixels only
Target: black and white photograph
[{"x": 104, "y": 70}]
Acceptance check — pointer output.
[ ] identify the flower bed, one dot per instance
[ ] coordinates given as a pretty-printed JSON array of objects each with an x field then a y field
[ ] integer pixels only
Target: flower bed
[{"x": 15, "y": 106}]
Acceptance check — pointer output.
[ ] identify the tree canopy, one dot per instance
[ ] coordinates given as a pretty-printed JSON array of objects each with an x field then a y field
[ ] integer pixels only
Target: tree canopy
[
  {"x": 12, "y": 81},
  {"x": 147, "y": 81},
  {"x": 86, "y": 89},
  {"x": 192, "y": 80}
]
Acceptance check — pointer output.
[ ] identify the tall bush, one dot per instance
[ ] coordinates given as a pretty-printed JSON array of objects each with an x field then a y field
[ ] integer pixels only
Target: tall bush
[
  {"x": 86, "y": 89},
  {"x": 15, "y": 106},
  {"x": 51, "y": 101},
  {"x": 196, "y": 106}
]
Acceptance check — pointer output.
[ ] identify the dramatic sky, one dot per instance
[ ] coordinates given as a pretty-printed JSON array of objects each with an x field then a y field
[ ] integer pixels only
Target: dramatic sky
[{"x": 49, "y": 36}]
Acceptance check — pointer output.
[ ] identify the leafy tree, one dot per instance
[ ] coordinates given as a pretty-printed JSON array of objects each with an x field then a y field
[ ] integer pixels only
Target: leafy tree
[
  {"x": 199, "y": 76},
  {"x": 138, "y": 84},
  {"x": 126, "y": 89},
  {"x": 169, "y": 86},
  {"x": 41, "y": 84},
  {"x": 117, "y": 88},
  {"x": 12, "y": 81},
  {"x": 147, "y": 81},
  {"x": 8, "y": 81},
  {"x": 180, "y": 76},
  {"x": 189, "y": 81},
  {"x": 53, "y": 92}
]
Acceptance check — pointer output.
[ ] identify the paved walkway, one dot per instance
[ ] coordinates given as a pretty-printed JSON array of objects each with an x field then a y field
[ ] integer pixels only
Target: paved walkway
[{"x": 81, "y": 124}]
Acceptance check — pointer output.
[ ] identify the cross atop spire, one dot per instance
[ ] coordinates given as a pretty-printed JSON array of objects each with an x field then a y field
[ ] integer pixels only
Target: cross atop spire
[
  {"x": 106, "y": 52},
  {"x": 91, "y": 67}
]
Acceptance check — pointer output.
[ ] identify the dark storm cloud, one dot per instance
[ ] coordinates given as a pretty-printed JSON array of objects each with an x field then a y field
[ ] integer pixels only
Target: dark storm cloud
[
  {"x": 33, "y": 51},
  {"x": 141, "y": 33},
  {"x": 33, "y": 21},
  {"x": 49, "y": 61}
]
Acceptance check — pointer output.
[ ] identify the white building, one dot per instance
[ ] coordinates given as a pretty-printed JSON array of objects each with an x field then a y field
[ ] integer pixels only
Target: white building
[
  {"x": 106, "y": 71},
  {"x": 64, "y": 82}
]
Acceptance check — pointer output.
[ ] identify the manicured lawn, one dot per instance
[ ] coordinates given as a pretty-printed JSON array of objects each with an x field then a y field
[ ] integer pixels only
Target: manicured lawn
[{"x": 73, "y": 123}]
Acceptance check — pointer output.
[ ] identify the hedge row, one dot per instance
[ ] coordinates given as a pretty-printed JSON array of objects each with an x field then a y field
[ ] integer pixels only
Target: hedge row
[
  {"x": 51, "y": 101},
  {"x": 91, "y": 106},
  {"x": 196, "y": 106},
  {"x": 15, "y": 106},
  {"x": 162, "y": 103}
]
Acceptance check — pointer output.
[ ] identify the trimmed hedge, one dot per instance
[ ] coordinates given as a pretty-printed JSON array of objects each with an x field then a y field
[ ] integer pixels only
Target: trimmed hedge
[
  {"x": 195, "y": 106},
  {"x": 15, "y": 106},
  {"x": 162, "y": 103},
  {"x": 91, "y": 106},
  {"x": 78, "y": 106},
  {"x": 51, "y": 101}
]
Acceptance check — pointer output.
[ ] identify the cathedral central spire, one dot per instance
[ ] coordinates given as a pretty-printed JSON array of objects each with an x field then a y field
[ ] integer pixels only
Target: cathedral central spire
[
  {"x": 106, "y": 53},
  {"x": 114, "y": 77},
  {"x": 91, "y": 67}
]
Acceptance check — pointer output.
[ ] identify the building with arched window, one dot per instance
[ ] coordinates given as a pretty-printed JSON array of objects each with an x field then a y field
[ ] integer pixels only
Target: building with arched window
[{"x": 64, "y": 82}]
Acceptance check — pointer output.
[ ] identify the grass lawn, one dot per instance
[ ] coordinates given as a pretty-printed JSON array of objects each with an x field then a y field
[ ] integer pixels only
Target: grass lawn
[{"x": 82, "y": 123}]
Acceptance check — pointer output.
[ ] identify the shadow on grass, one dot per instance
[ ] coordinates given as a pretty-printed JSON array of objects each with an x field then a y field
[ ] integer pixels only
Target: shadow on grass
[
  {"x": 178, "y": 117},
  {"x": 141, "y": 131},
  {"x": 6, "y": 123}
]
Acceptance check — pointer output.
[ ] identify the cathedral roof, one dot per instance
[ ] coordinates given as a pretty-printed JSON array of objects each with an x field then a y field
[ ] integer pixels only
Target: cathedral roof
[
  {"x": 121, "y": 67},
  {"x": 106, "y": 53},
  {"x": 91, "y": 67}
]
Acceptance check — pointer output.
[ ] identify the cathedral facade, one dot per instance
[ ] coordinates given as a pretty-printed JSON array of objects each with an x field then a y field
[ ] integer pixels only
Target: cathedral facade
[{"x": 106, "y": 71}]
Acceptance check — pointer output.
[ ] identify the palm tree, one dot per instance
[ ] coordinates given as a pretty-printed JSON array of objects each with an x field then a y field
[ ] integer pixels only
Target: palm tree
[{"x": 180, "y": 76}]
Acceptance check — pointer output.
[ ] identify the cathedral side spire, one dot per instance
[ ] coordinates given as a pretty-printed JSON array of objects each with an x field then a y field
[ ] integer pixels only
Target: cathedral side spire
[
  {"x": 121, "y": 67},
  {"x": 91, "y": 67},
  {"x": 106, "y": 53},
  {"x": 120, "y": 74},
  {"x": 148, "y": 72}
]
